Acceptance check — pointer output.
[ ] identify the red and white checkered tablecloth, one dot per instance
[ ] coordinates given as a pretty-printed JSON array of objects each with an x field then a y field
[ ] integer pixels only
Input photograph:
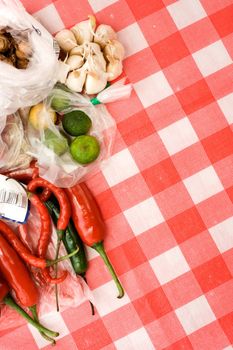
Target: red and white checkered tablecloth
[{"x": 167, "y": 192}]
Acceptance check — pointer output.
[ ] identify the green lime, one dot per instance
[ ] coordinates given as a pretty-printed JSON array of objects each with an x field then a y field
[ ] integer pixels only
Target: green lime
[
  {"x": 58, "y": 144},
  {"x": 76, "y": 123},
  {"x": 59, "y": 103},
  {"x": 85, "y": 149}
]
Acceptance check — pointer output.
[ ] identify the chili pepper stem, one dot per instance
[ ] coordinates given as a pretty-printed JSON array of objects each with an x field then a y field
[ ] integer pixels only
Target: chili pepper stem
[
  {"x": 59, "y": 240},
  {"x": 99, "y": 247},
  {"x": 35, "y": 316},
  {"x": 8, "y": 300},
  {"x": 91, "y": 305},
  {"x": 62, "y": 258}
]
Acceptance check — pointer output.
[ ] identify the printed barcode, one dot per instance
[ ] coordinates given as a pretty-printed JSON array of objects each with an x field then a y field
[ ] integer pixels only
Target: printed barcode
[
  {"x": 12, "y": 198},
  {"x": 56, "y": 47}
]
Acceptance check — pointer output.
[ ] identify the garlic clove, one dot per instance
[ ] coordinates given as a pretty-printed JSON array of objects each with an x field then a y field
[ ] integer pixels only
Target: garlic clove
[
  {"x": 63, "y": 70},
  {"x": 114, "y": 69},
  {"x": 104, "y": 34},
  {"x": 75, "y": 62},
  {"x": 78, "y": 50},
  {"x": 84, "y": 30},
  {"x": 76, "y": 80},
  {"x": 95, "y": 83},
  {"x": 114, "y": 51},
  {"x": 66, "y": 40},
  {"x": 96, "y": 63}
]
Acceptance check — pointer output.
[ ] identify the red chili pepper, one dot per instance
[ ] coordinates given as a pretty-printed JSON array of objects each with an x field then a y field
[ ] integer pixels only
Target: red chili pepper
[
  {"x": 89, "y": 224},
  {"x": 45, "y": 195},
  {"x": 17, "y": 275},
  {"x": 45, "y": 236},
  {"x": 8, "y": 300},
  {"x": 23, "y": 251},
  {"x": 65, "y": 210},
  {"x": 24, "y": 175}
]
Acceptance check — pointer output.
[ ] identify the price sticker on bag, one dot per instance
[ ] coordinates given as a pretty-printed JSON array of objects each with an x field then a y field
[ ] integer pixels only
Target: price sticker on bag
[{"x": 14, "y": 204}]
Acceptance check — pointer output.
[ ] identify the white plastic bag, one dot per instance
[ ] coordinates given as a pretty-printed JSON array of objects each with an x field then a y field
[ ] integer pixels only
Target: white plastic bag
[
  {"x": 25, "y": 87},
  {"x": 62, "y": 170}
]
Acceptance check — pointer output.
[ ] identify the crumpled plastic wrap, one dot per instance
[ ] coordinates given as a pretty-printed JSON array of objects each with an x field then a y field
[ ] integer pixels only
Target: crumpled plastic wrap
[{"x": 72, "y": 292}]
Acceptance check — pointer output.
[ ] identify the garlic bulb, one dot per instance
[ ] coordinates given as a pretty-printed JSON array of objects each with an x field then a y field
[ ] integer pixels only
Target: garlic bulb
[
  {"x": 104, "y": 34},
  {"x": 95, "y": 83},
  {"x": 66, "y": 40},
  {"x": 84, "y": 31},
  {"x": 114, "y": 69},
  {"x": 114, "y": 51},
  {"x": 75, "y": 62},
  {"x": 76, "y": 80}
]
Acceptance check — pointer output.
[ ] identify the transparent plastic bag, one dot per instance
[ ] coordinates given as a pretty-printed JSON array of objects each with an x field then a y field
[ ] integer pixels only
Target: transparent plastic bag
[
  {"x": 62, "y": 170},
  {"x": 72, "y": 292},
  {"x": 25, "y": 87},
  {"x": 13, "y": 144}
]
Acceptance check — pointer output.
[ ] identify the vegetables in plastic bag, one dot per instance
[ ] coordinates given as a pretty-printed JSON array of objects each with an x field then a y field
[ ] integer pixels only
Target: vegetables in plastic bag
[{"x": 25, "y": 87}]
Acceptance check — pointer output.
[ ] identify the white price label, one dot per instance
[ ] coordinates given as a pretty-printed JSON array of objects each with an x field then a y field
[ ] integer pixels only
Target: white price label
[{"x": 14, "y": 203}]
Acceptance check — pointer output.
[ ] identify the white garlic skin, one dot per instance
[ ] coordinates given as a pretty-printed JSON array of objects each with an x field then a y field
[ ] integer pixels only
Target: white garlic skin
[
  {"x": 114, "y": 69},
  {"x": 114, "y": 51},
  {"x": 77, "y": 50},
  {"x": 75, "y": 62},
  {"x": 104, "y": 34},
  {"x": 66, "y": 40},
  {"x": 94, "y": 83},
  {"x": 76, "y": 80},
  {"x": 83, "y": 31},
  {"x": 96, "y": 63}
]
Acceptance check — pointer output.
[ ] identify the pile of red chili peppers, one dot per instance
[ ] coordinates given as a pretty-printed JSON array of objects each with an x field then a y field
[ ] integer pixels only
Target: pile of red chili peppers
[{"x": 77, "y": 219}]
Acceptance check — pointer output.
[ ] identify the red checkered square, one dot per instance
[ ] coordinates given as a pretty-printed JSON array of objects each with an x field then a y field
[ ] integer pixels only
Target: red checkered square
[
  {"x": 123, "y": 109},
  {"x": 118, "y": 15},
  {"x": 33, "y": 6},
  {"x": 199, "y": 34},
  {"x": 208, "y": 120},
  {"x": 152, "y": 306},
  {"x": 182, "y": 162},
  {"x": 142, "y": 151},
  {"x": 227, "y": 40},
  {"x": 161, "y": 176},
  {"x": 229, "y": 191},
  {"x": 72, "y": 12},
  {"x": 170, "y": 50},
  {"x": 224, "y": 169},
  {"x": 212, "y": 274},
  {"x": 195, "y": 96},
  {"x": 226, "y": 324},
  {"x": 181, "y": 200},
  {"x": 199, "y": 249},
  {"x": 141, "y": 8},
  {"x": 136, "y": 128},
  {"x": 190, "y": 290},
  {"x": 215, "y": 209},
  {"x": 220, "y": 299},
  {"x": 118, "y": 231},
  {"x": 220, "y": 83},
  {"x": 94, "y": 336},
  {"x": 214, "y": 6},
  {"x": 66, "y": 342},
  {"x": 186, "y": 224},
  {"x": 180, "y": 344},
  {"x": 169, "y": 2},
  {"x": 118, "y": 144},
  {"x": 23, "y": 337},
  {"x": 157, "y": 26},
  {"x": 97, "y": 183},
  {"x": 149, "y": 240},
  {"x": 165, "y": 331},
  {"x": 122, "y": 322},
  {"x": 108, "y": 204},
  {"x": 165, "y": 112},
  {"x": 219, "y": 145},
  {"x": 133, "y": 191},
  {"x": 73, "y": 322},
  {"x": 182, "y": 73},
  {"x": 211, "y": 335},
  {"x": 142, "y": 275},
  {"x": 136, "y": 70},
  {"x": 222, "y": 21}
]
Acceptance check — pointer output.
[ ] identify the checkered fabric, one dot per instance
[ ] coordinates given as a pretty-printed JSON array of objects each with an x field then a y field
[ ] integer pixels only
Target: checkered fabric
[{"x": 166, "y": 194}]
